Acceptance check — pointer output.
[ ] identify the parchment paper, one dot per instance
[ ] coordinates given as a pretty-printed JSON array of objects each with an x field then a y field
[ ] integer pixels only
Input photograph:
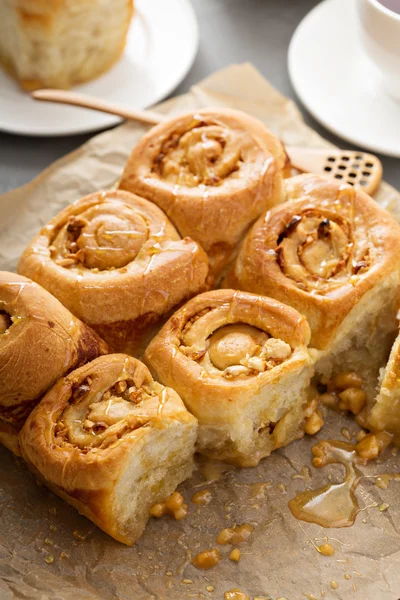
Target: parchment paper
[{"x": 48, "y": 551}]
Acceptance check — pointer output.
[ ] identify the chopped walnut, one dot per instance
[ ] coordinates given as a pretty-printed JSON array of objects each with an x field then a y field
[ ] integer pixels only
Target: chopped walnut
[
  {"x": 193, "y": 352},
  {"x": 235, "y": 535},
  {"x": 75, "y": 224},
  {"x": 235, "y": 371},
  {"x": 81, "y": 390},
  {"x": 329, "y": 400},
  {"x": 256, "y": 363},
  {"x": 353, "y": 399},
  {"x": 207, "y": 559},
  {"x": 199, "y": 354},
  {"x": 346, "y": 380},
  {"x": 275, "y": 348},
  {"x": 60, "y": 429},
  {"x": 373, "y": 444},
  {"x": 66, "y": 262},
  {"x": 314, "y": 423},
  {"x": 345, "y": 392},
  {"x": 77, "y": 257},
  {"x": 236, "y": 594},
  {"x": 135, "y": 395},
  {"x": 120, "y": 386},
  {"x": 173, "y": 506},
  {"x": 235, "y": 555},
  {"x": 192, "y": 320},
  {"x": 311, "y": 407},
  {"x": 320, "y": 455},
  {"x": 202, "y": 497},
  {"x": 326, "y": 549}
]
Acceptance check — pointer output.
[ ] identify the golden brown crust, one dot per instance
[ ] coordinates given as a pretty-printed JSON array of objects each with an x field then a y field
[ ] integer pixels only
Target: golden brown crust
[
  {"x": 213, "y": 172},
  {"x": 117, "y": 263},
  {"x": 88, "y": 441},
  {"x": 40, "y": 341},
  {"x": 320, "y": 252},
  {"x": 227, "y": 353},
  {"x": 385, "y": 411}
]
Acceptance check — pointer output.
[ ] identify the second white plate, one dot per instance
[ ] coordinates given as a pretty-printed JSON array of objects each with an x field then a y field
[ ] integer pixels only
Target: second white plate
[
  {"x": 338, "y": 84},
  {"x": 161, "y": 46}
]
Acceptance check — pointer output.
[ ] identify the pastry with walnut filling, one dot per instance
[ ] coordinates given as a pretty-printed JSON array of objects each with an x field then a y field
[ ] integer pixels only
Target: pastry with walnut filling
[
  {"x": 40, "y": 341},
  {"x": 116, "y": 262},
  {"x": 112, "y": 442},
  {"x": 333, "y": 254},
  {"x": 213, "y": 172},
  {"x": 240, "y": 363}
]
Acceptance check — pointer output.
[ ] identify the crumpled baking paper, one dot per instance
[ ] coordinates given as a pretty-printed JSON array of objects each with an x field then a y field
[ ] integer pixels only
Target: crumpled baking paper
[{"x": 48, "y": 551}]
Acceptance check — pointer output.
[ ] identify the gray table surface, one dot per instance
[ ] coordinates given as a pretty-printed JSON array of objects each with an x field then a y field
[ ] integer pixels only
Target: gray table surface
[{"x": 231, "y": 31}]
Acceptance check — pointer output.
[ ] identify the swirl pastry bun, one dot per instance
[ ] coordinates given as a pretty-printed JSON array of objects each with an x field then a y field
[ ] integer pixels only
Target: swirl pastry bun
[
  {"x": 384, "y": 414},
  {"x": 213, "y": 172},
  {"x": 333, "y": 254},
  {"x": 57, "y": 44},
  {"x": 116, "y": 262},
  {"x": 112, "y": 442},
  {"x": 40, "y": 341},
  {"x": 241, "y": 365}
]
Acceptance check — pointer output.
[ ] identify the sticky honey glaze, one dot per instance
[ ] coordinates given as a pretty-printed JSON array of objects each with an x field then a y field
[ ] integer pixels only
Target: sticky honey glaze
[
  {"x": 383, "y": 480},
  {"x": 335, "y": 504}
]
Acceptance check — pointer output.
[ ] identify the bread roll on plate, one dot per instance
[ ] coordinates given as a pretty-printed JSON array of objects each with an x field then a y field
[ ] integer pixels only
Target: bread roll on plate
[{"x": 60, "y": 43}]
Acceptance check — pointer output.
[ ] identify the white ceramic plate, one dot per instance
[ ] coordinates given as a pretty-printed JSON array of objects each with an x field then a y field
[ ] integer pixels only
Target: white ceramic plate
[
  {"x": 161, "y": 46},
  {"x": 336, "y": 81}
]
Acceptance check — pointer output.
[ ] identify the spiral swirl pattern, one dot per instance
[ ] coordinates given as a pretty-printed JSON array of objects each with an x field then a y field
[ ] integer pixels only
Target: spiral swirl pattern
[
  {"x": 213, "y": 173},
  {"x": 232, "y": 357},
  {"x": 112, "y": 442},
  {"x": 315, "y": 249},
  {"x": 108, "y": 232},
  {"x": 108, "y": 400},
  {"x": 320, "y": 252},
  {"x": 115, "y": 260},
  {"x": 231, "y": 350},
  {"x": 206, "y": 154}
]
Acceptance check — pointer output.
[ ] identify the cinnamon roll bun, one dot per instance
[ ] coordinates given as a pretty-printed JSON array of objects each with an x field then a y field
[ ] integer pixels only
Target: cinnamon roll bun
[
  {"x": 384, "y": 414},
  {"x": 112, "y": 442},
  {"x": 333, "y": 254},
  {"x": 213, "y": 172},
  {"x": 116, "y": 262},
  {"x": 241, "y": 365},
  {"x": 40, "y": 341}
]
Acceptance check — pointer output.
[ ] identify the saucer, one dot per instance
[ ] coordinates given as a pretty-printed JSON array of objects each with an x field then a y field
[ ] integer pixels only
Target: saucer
[
  {"x": 161, "y": 47},
  {"x": 337, "y": 82}
]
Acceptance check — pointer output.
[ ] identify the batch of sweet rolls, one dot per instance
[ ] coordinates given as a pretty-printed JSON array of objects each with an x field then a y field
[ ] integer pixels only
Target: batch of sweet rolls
[{"x": 210, "y": 303}]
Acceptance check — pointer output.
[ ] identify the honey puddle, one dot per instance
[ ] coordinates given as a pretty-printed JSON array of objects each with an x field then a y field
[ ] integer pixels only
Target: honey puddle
[
  {"x": 383, "y": 480},
  {"x": 258, "y": 489},
  {"x": 335, "y": 504}
]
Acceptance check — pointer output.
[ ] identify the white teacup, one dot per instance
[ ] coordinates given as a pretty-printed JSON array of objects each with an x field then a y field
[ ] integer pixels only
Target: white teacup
[{"x": 380, "y": 32}]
